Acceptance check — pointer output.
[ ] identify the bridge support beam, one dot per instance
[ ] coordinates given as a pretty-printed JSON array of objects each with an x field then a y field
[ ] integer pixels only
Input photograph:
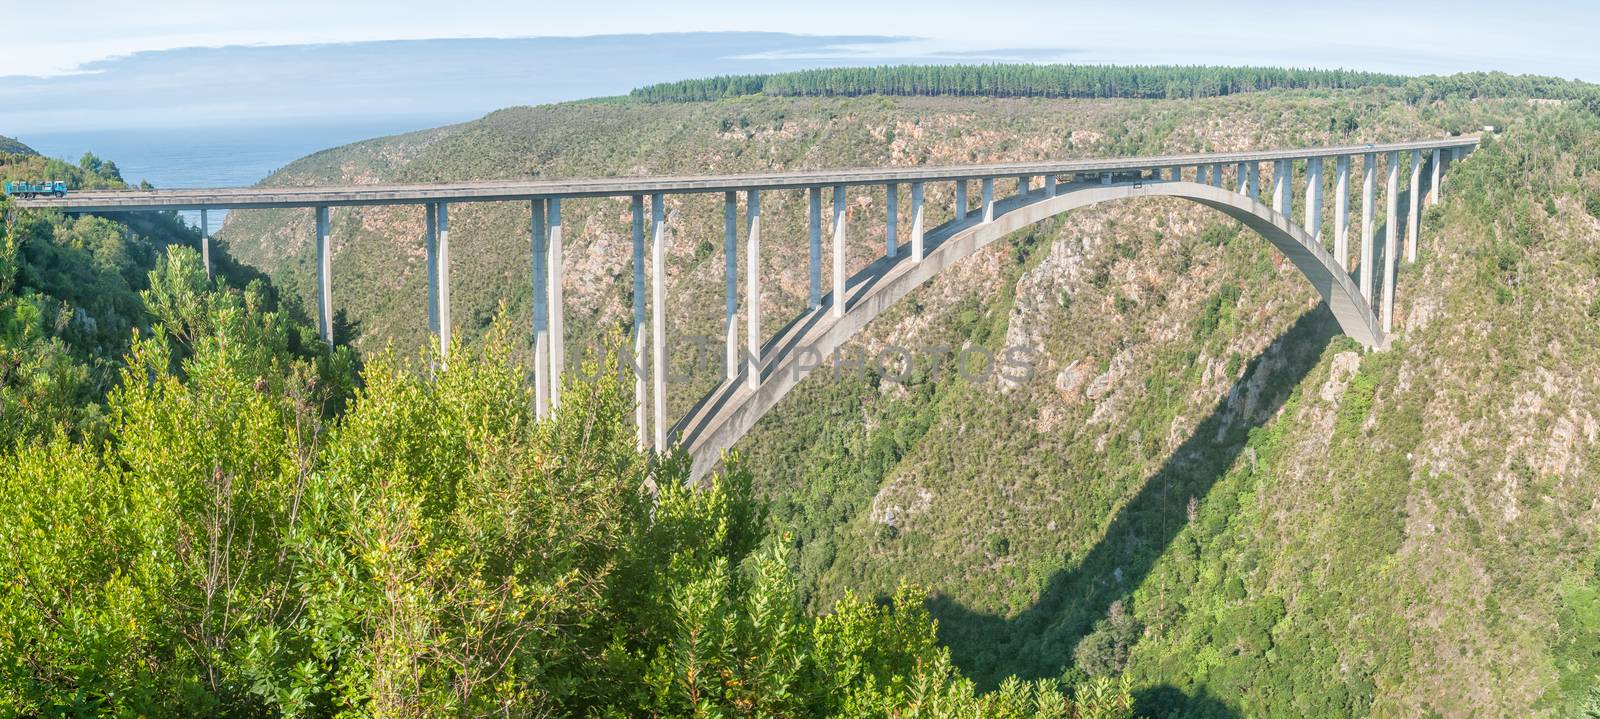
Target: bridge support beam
[
  {"x": 1369, "y": 190},
  {"x": 1281, "y": 198},
  {"x": 658, "y": 317},
  {"x": 814, "y": 232},
  {"x": 916, "y": 222},
  {"x": 324, "y": 278},
  {"x": 1341, "y": 212},
  {"x": 205, "y": 241},
  {"x": 891, "y": 208},
  {"x": 839, "y": 216},
  {"x": 640, "y": 398},
  {"x": 961, "y": 200},
  {"x": 730, "y": 279},
  {"x": 558, "y": 323},
  {"x": 840, "y": 221},
  {"x": 988, "y": 199},
  {"x": 1049, "y": 185},
  {"x": 1216, "y": 175},
  {"x": 430, "y": 255},
  {"x": 752, "y": 288},
  {"x": 539, "y": 246},
  {"x": 1313, "y": 222},
  {"x": 1242, "y": 174},
  {"x": 1200, "y": 173},
  {"x": 1433, "y": 188},
  {"x": 1391, "y": 244},
  {"x": 1175, "y": 173},
  {"x": 1252, "y": 181},
  {"x": 1415, "y": 214}
]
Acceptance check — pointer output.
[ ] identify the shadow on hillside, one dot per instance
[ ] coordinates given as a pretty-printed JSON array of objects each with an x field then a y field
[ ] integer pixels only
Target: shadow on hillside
[{"x": 1041, "y": 640}]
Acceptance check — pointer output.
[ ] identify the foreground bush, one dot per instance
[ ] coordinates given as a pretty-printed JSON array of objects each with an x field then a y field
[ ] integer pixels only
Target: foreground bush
[{"x": 256, "y": 538}]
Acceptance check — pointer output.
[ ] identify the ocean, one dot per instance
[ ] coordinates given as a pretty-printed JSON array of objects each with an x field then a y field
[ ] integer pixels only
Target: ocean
[{"x": 230, "y": 156}]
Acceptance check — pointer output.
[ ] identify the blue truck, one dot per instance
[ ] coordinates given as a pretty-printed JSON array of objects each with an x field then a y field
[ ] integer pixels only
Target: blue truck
[{"x": 55, "y": 188}]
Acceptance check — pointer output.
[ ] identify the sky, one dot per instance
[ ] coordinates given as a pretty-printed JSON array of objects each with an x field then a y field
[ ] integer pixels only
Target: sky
[{"x": 211, "y": 61}]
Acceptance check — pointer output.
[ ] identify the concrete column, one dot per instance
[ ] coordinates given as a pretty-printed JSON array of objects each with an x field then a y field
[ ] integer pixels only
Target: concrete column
[
  {"x": 430, "y": 255},
  {"x": 1049, "y": 185},
  {"x": 1369, "y": 191},
  {"x": 1243, "y": 177},
  {"x": 839, "y": 217},
  {"x": 730, "y": 277},
  {"x": 1341, "y": 212},
  {"x": 205, "y": 241},
  {"x": 916, "y": 222},
  {"x": 1280, "y": 187},
  {"x": 640, "y": 399},
  {"x": 1200, "y": 174},
  {"x": 1216, "y": 175},
  {"x": 1252, "y": 182},
  {"x": 539, "y": 243},
  {"x": 961, "y": 200},
  {"x": 1024, "y": 185},
  {"x": 1175, "y": 173},
  {"x": 658, "y": 317},
  {"x": 1105, "y": 177},
  {"x": 988, "y": 199},
  {"x": 891, "y": 208},
  {"x": 324, "y": 278},
  {"x": 815, "y": 233},
  {"x": 1391, "y": 244},
  {"x": 445, "y": 325},
  {"x": 1432, "y": 189},
  {"x": 1415, "y": 215},
  {"x": 752, "y": 289},
  {"x": 558, "y": 322},
  {"x": 1313, "y": 223}
]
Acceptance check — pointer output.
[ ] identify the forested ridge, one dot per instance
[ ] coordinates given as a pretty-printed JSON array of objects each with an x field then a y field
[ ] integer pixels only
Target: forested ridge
[{"x": 1145, "y": 82}]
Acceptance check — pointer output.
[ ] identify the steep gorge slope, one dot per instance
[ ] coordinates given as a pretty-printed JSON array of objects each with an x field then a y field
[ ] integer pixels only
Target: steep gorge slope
[{"x": 1202, "y": 483}]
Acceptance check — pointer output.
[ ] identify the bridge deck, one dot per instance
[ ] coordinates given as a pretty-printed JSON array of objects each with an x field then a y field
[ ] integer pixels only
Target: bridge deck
[{"x": 506, "y": 190}]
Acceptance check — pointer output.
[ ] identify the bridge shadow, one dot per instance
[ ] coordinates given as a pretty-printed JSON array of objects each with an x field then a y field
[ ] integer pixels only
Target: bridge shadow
[{"x": 1040, "y": 641}]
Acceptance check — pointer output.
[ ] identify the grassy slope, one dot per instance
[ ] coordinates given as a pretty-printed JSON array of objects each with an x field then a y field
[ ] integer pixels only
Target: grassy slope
[
  {"x": 1296, "y": 564},
  {"x": 15, "y": 147}
]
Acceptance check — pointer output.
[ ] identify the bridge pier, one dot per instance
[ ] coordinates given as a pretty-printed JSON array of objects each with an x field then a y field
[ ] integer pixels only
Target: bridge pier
[
  {"x": 640, "y": 400},
  {"x": 1216, "y": 175},
  {"x": 1175, "y": 173},
  {"x": 1313, "y": 222},
  {"x": 1200, "y": 173},
  {"x": 1415, "y": 214},
  {"x": 987, "y": 187},
  {"x": 539, "y": 248},
  {"x": 558, "y": 323},
  {"x": 205, "y": 241},
  {"x": 752, "y": 288},
  {"x": 916, "y": 221},
  {"x": 1391, "y": 243},
  {"x": 1049, "y": 185},
  {"x": 1280, "y": 188},
  {"x": 839, "y": 223},
  {"x": 430, "y": 255},
  {"x": 1433, "y": 189},
  {"x": 324, "y": 277},
  {"x": 814, "y": 232},
  {"x": 891, "y": 206},
  {"x": 961, "y": 200},
  {"x": 1341, "y": 212},
  {"x": 1242, "y": 177},
  {"x": 1369, "y": 189},
  {"x": 658, "y": 318},
  {"x": 1253, "y": 181},
  {"x": 730, "y": 277}
]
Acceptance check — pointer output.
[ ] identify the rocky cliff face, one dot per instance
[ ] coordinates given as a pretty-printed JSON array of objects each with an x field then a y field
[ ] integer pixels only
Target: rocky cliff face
[{"x": 1200, "y": 481}]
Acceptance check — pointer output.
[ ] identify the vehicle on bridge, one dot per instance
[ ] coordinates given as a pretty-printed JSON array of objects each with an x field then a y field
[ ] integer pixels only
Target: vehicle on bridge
[{"x": 54, "y": 188}]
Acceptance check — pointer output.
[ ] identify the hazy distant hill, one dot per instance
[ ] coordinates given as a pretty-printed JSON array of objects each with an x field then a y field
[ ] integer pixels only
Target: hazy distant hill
[
  {"x": 1202, "y": 484},
  {"x": 14, "y": 147}
]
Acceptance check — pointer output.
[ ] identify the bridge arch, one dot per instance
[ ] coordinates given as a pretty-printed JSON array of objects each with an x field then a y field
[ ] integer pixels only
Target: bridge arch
[{"x": 728, "y": 412}]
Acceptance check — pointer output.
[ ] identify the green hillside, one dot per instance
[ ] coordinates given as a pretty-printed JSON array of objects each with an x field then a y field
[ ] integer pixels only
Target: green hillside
[
  {"x": 12, "y": 146},
  {"x": 1203, "y": 488}
]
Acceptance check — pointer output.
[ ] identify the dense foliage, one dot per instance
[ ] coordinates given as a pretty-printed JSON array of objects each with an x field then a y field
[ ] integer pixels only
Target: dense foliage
[{"x": 1017, "y": 80}]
